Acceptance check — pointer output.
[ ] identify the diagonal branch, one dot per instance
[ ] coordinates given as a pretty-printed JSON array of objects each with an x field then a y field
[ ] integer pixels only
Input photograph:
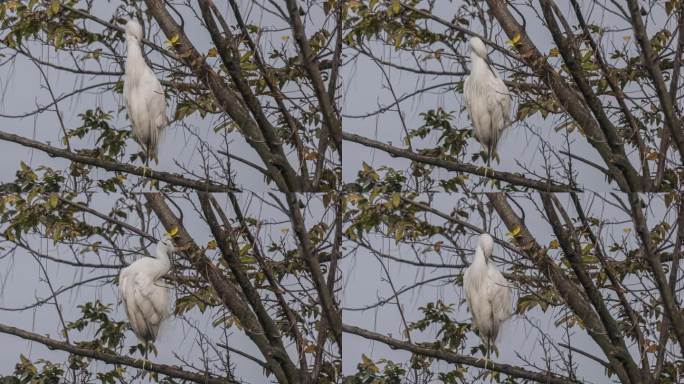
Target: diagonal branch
[
  {"x": 230, "y": 55},
  {"x": 459, "y": 167},
  {"x": 510, "y": 370},
  {"x": 227, "y": 291},
  {"x": 622, "y": 171},
  {"x": 332, "y": 122},
  {"x": 593, "y": 102},
  {"x": 310, "y": 256},
  {"x": 615, "y": 281},
  {"x": 672, "y": 309},
  {"x": 228, "y": 99},
  {"x": 111, "y": 358},
  {"x": 570, "y": 248},
  {"x": 230, "y": 252},
  {"x": 649, "y": 58},
  {"x": 114, "y": 166},
  {"x": 567, "y": 289}
]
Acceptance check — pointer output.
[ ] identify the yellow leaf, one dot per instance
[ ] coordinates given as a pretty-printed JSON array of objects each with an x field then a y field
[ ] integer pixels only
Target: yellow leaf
[
  {"x": 351, "y": 198},
  {"x": 515, "y": 40},
  {"x": 311, "y": 155},
  {"x": 554, "y": 244},
  {"x": 53, "y": 200},
  {"x": 368, "y": 364},
  {"x": 515, "y": 231},
  {"x": 54, "y": 6},
  {"x": 173, "y": 40},
  {"x": 554, "y": 52},
  {"x": 12, "y": 5},
  {"x": 212, "y": 244},
  {"x": 172, "y": 232},
  {"x": 212, "y": 52},
  {"x": 396, "y": 199},
  {"x": 399, "y": 233},
  {"x": 395, "y": 6}
]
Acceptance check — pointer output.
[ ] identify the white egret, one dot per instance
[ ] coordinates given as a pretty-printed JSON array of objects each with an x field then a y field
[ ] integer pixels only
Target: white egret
[
  {"x": 145, "y": 297},
  {"x": 487, "y": 292},
  {"x": 143, "y": 95},
  {"x": 486, "y": 98}
]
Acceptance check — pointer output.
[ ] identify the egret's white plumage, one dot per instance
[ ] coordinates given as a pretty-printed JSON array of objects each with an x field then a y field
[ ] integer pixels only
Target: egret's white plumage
[
  {"x": 143, "y": 94},
  {"x": 486, "y": 98},
  {"x": 144, "y": 296},
  {"x": 487, "y": 292}
]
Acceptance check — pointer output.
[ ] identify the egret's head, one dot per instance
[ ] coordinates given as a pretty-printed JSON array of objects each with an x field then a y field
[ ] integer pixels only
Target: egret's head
[
  {"x": 486, "y": 243},
  {"x": 134, "y": 30},
  {"x": 478, "y": 47},
  {"x": 166, "y": 244}
]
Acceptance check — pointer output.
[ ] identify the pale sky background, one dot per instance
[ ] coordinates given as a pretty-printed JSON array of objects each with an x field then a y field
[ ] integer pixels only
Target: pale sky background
[{"x": 361, "y": 272}]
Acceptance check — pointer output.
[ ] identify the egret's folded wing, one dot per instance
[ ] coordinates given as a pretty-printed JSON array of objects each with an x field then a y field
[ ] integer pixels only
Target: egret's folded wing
[
  {"x": 128, "y": 291},
  {"x": 138, "y": 294},
  {"x": 500, "y": 295},
  {"x": 144, "y": 300},
  {"x": 499, "y": 102},
  {"x": 126, "y": 92},
  {"x": 156, "y": 101},
  {"x": 467, "y": 284},
  {"x": 467, "y": 90},
  {"x": 160, "y": 297},
  {"x": 155, "y": 104}
]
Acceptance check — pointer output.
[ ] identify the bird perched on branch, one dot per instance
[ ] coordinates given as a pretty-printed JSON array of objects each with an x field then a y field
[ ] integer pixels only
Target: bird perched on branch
[
  {"x": 487, "y": 292},
  {"x": 143, "y": 95},
  {"x": 486, "y": 98},
  {"x": 145, "y": 297}
]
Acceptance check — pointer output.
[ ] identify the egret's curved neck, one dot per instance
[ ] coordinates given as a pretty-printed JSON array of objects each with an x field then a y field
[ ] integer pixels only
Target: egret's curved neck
[
  {"x": 135, "y": 63},
  {"x": 480, "y": 256},
  {"x": 477, "y": 63},
  {"x": 164, "y": 261}
]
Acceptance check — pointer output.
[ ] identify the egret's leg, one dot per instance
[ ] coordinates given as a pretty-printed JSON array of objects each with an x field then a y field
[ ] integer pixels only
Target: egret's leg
[
  {"x": 146, "y": 165},
  {"x": 490, "y": 147},
  {"x": 147, "y": 346}
]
